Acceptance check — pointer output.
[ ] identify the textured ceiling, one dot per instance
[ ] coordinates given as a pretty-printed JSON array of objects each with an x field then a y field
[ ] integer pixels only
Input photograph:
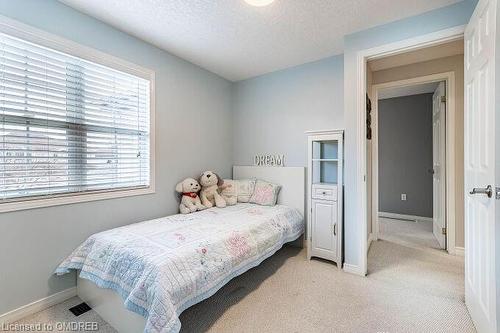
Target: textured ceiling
[{"x": 238, "y": 41}]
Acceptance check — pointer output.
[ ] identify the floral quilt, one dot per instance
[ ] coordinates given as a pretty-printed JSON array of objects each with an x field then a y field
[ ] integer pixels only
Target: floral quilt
[{"x": 163, "y": 266}]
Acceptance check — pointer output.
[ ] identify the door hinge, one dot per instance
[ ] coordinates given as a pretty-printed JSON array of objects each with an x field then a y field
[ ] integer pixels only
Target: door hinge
[
  {"x": 443, "y": 99},
  {"x": 443, "y": 231}
]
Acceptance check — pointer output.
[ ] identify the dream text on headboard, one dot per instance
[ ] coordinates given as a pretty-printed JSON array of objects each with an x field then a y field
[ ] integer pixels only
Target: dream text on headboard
[{"x": 276, "y": 160}]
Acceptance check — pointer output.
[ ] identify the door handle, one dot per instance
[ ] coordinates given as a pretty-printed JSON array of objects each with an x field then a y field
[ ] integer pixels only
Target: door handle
[
  {"x": 335, "y": 229},
  {"x": 488, "y": 190}
]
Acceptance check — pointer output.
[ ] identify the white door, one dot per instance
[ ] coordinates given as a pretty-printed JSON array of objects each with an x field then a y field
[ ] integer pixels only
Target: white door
[
  {"x": 479, "y": 143},
  {"x": 324, "y": 220},
  {"x": 439, "y": 164}
]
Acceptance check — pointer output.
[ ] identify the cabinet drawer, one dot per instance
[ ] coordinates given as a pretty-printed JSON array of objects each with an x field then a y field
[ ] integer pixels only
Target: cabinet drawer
[{"x": 324, "y": 192}]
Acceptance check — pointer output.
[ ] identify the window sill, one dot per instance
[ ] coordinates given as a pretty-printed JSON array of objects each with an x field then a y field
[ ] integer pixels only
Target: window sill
[{"x": 73, "y": 199}]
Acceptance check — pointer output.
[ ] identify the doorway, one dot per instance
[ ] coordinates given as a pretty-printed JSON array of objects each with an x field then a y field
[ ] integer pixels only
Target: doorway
[
  {"x": 480, "y": 171},
  {"x": 408, "y": 161},
  {"x": 444, "y": 160},
  {"x": 421, "y": 71}
]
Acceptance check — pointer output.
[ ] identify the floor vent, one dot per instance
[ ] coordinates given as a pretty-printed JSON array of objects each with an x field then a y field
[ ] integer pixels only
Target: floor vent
[{"x": 80, "y": 309}]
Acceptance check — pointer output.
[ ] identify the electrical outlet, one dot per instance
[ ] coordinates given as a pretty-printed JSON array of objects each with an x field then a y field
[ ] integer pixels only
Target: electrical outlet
[{"x": 403, "y": 196}]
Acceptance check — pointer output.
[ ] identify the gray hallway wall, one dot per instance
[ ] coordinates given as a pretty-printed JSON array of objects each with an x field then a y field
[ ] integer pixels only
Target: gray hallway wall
[{"x": 405, "y": 155}]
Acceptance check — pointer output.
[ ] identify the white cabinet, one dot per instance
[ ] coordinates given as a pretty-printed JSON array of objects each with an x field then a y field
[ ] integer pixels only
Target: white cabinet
[
  {"x": 325, "y": 194},
  {"x": 324, "y": 229}
]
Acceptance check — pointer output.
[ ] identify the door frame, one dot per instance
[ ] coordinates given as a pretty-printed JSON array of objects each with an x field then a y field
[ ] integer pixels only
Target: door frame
[
  {"x": 362, "y": 57},
  {"x": 450, "y": 144}
]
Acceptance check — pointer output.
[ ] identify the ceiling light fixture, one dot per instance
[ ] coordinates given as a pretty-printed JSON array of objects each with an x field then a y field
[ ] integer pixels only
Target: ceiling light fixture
[{"x": 259, "y": 3}]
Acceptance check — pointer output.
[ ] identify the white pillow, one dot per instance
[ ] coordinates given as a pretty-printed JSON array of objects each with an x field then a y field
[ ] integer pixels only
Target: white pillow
[
  {"x": 265, "y": 193},
  {"x": 242, "y": 189},
  {"x": 246, "y": 187}
]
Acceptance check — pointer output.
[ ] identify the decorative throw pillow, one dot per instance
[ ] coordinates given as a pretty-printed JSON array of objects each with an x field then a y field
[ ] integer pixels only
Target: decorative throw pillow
[
  {"x": 245, "y": 190},
  {"x": 242, "y": 189},
  {"x": 265, "y": 193},
  {"x": 229, "y": 190}
]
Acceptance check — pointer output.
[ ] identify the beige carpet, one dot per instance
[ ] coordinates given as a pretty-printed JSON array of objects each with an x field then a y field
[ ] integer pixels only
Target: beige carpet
[
  {"x": 407, "y": 290},
  {"x": 411, "y": 233}
]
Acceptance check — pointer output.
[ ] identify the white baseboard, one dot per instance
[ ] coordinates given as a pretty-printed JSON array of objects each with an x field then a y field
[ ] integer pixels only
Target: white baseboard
[
  {"x": 459, "y": 251},
  {"x": 37, "y": 306},
  {"x": 353, "y": 269},
  {"x": 405, "y": 217}
]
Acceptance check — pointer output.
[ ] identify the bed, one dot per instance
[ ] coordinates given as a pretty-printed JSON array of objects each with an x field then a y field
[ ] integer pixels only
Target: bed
[{"x": 142, "y": 276}]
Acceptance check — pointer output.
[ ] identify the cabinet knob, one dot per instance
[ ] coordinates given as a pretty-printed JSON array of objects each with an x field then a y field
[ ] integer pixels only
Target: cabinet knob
[{"x": 324, "y": 192}]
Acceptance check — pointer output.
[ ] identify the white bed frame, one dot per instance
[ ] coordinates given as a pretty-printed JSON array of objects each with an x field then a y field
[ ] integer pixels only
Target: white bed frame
[{"x": 109, "y": 305}]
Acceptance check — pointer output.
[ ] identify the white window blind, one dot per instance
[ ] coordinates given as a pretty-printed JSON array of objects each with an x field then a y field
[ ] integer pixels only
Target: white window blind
[{"x": 69, "y": 126}]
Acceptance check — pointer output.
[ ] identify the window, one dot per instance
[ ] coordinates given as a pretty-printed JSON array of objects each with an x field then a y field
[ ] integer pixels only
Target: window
[{"x": 69, "y": 126}]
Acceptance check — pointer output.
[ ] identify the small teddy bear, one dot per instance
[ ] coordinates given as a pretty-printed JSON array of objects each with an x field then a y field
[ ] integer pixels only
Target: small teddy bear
[
  {"x": 210, "y": 195},
  {"x": 190, "y": 201}
]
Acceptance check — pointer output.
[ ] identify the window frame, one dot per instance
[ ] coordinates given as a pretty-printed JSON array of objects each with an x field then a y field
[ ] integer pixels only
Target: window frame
[{"x": 34, "y": 35}]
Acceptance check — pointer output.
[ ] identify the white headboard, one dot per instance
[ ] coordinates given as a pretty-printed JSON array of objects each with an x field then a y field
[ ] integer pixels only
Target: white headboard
[{"x": 291, "y": 179}]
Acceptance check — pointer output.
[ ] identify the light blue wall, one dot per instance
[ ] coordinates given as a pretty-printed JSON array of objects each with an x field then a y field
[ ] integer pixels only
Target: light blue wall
[
  {"x": 439, "y": 19},
  {"x": 272, "y": 112},
  {"x": 194, "y": 132},
  {"x": 443, "y": 18}
]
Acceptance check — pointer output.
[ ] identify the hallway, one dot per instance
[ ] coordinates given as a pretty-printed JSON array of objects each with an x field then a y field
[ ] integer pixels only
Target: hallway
[
  {"x": 431, "y": 283},
  {"x": 410, "y": 233}
]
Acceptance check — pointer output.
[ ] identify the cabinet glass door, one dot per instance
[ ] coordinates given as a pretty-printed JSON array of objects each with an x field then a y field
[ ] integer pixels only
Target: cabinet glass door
[
  {"x": 325, "y": 162},
  {"x": 325, "y": 150}
]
